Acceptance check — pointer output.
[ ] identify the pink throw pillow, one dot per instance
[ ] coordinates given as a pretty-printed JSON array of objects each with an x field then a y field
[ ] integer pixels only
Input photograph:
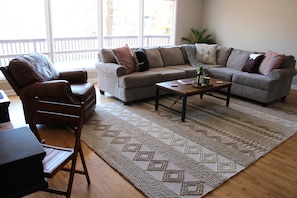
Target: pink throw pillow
[
  {"x": 124, "y": 57},
  {"x": 271, "y": 61}
]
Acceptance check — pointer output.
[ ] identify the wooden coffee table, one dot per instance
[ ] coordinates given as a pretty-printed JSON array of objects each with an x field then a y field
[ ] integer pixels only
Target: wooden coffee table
[{"x": 185, "y": 90}]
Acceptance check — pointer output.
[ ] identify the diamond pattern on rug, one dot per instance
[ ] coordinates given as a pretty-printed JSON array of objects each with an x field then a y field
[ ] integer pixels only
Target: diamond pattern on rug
[
  {"x": 109, "y": 133},
  {"x": 131, "y": 147},
  {"x": 165, "y": 135},
  {"x": 192, "y": 149},
  {"x": 120, "y": 140},
  {"x": 173, "y": 176},
  {"x": 144, "y": 156},
  {"x": 178, "y": 142},
  {"x": 208, "y": 158},
  {"x": 191, "y": 188},
  {"x": 157, "y": 165},
  {"x": 226, "y": 167}
]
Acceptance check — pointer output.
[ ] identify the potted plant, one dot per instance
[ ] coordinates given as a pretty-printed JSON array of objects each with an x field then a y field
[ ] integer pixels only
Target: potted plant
[{"x": 196, "y": 36}]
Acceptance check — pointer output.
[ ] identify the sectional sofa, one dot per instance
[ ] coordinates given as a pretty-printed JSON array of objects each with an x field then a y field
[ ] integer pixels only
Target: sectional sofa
[{"x": 131, "y": 74}]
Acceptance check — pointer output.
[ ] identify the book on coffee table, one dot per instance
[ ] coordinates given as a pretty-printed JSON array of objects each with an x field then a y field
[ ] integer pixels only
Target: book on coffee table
[{"x": 187, "y": 81}]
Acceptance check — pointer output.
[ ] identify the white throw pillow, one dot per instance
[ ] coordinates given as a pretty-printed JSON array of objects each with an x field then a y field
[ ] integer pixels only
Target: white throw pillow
[{"x": 206, "y": 53}]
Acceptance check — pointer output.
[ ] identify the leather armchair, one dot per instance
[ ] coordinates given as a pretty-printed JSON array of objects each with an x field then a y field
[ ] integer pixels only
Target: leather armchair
[{"x": 33, "y": 75}]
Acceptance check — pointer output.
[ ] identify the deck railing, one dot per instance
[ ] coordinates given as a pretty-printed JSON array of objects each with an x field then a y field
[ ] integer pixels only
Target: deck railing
[{"x": 72, "y": 49}]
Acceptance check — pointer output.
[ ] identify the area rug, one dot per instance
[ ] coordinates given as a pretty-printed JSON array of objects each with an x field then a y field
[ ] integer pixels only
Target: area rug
[{"x": 164, "y": 157}]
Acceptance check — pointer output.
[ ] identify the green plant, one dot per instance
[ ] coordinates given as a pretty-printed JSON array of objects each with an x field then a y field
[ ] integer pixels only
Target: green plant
[{"x": 197, "y": 36}]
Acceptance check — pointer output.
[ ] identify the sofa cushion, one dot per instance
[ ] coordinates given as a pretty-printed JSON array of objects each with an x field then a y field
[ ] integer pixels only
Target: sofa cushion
[
  {"x": 258, "y": 81},
  {"x": 253, "y": 63},
  {"x": 168, "y": 73},
  {"x": 223, "y": 54},
  {"x": 190, "y": 71},
  {"x": 172, "y": 56},
  {"x": 106, "y": 56},
  {"x": 223, "y": 73},
  {"x": 124, "y": 58},
  {"x": 32, "y": 68},
  {"x": 139, "y": 79},
  {"x": 206, "y": 53},
  {"x": 272, "y": 60},
  {"x": 237, "y": 59},
  {"x": 182, "y": 48},
  {"x": 141, "y": 60},
  {"x": 154, "y": 57}
]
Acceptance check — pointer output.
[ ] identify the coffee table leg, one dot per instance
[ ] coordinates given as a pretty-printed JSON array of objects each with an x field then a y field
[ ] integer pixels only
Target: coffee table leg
[
  {"x": 157, "y": 99},
  {"x": 184, "y": 108},
  {"x": 228, "y": 96}
]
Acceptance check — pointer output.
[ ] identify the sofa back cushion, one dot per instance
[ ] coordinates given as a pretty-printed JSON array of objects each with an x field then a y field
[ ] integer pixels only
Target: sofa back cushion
[
  {"x": 172, "y": 56},
  {"x": 154, "y": 57},
  {"x": 223, "y": 54},
  {"x": 237, "y": 59},
  {"x": 31, "y": 68},
  {"x": 288, "y": 62}
]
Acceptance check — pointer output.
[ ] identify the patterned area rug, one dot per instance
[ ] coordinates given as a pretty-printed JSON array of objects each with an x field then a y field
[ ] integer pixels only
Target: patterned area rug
[{"x": 164, "y": 157}]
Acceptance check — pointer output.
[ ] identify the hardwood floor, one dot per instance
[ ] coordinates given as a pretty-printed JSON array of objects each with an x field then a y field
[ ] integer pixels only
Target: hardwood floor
[{"x": 274, "y": 175}]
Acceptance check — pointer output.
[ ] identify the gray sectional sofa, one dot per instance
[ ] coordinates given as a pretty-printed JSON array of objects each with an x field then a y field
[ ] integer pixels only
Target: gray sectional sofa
[{"x": 178, "y": 62}]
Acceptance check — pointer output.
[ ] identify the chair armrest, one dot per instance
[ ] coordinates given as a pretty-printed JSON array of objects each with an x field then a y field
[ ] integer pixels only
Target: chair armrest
[
  {"x": 55, "y": 90},
  {"x": 277, "y": 74},
  {"x": 79, "y": 76},
  {"x": 111, "y": 69}
]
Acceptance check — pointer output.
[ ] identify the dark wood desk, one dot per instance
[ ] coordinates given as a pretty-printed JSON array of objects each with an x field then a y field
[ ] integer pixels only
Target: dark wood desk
[{"x": 21, "y": 169}]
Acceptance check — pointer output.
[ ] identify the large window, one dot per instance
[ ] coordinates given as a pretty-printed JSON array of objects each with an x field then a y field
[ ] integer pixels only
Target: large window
[
  {"x": 74, "y": 32},
  {"x": 22, "y": 29},
  {"x": 71, "y": 32}
]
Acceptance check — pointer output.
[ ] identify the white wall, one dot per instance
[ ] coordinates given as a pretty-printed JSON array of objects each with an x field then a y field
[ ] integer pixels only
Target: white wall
[
  {"x": 188, "y": 15},
  {"x": 253, "y": 25}
]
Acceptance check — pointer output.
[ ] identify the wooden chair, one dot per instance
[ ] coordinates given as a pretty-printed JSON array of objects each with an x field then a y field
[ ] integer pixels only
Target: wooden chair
[{"x": 57, "y": 157}]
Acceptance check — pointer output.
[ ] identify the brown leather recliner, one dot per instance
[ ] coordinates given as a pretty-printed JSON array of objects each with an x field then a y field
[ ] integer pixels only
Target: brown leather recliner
[{"x": 33, "y": 75}]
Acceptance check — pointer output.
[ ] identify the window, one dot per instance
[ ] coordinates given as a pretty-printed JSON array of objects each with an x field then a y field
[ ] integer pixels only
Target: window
[
  {"x": 157, "y": 25},
  {"x": 120, "y": 23},
  {"x": 23, "y": 28},
  {"x": 74, "y": 32},
  {"x": 138, "y": 23},
  {"x": 71, "y": 32}
]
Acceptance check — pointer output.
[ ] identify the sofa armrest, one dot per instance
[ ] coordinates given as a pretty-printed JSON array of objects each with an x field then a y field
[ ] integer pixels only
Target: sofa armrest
[
  {"x": 55, "y": 89},
  {"x": 111, "y": 69},
  {"x": 277, "y": 74},
  {"x": 73, "y": 77}
]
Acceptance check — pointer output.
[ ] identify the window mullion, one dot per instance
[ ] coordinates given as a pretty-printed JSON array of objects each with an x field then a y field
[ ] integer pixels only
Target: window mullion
[
  {"x": 141, "y": 21},
  {"x": 100, "y": 23},
  {"x": 49, "y": 30}
]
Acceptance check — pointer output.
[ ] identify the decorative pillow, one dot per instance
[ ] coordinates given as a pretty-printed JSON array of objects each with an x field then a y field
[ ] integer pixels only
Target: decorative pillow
[
  {"x": 172, "y": 56},
  {"x": 253, "y": 63},
  {"x": 207, "y": 54},
  {"x": 154, "y": 57},
  {"x": 272, "y": 60},
  {"x": 141, "y": 60},
  {"x": 192, "y": 56},
  {"x": 124, "y": 57},
  {"x": 106, "y": 56}
]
